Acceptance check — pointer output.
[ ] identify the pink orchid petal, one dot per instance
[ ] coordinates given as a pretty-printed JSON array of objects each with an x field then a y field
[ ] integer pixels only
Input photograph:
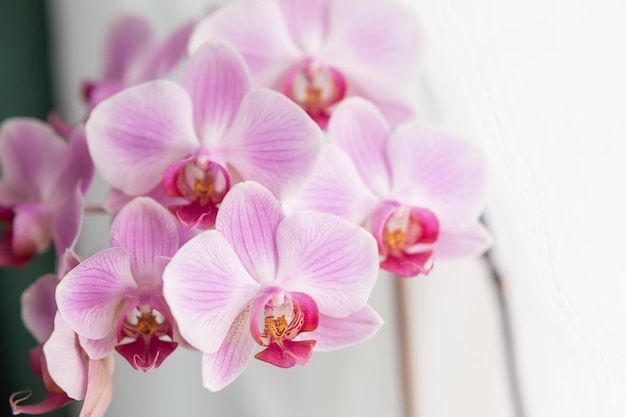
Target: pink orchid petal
[
  {"x": 128, "y": 39},
  {"x": 162, "y": 57},
  {"x": 135, "y": 135},
  {"x": 77, "y": 168},
  {"x": 272, "y": 141},
  {"x": 248, "y": 218},
  {"x": 331, "y": 260},
  {"x": 307, "y": 22},
  {"x": 99, "y": 389},
  {"x": 100, "y": 91},
  {"x": 206, "y": 287},
  {"x": 409, "y": 264},
  {"x": 39, "y": 307},
  {"x": 67, "y": 222},
  {"x": 30, "y": 151},
  {"x": 335, "y": 188},
  {"x": 68, "y": 261},
  {"x": 336, "y": 333},
  {"x": 373, "y": 42},
  {"x": 474, "y": 241},
  {"x": 216, "y": 78},
  {"x": 361, "y": 130},
  {"x": 66, "y": 360},
  {"x": 293, "y": 353},
  {"x": 99, "y": 348},
  {"x": 90, "y": 295},
  {"x": 434, "y": 170},
  {"x": 31, "y": 229},
  {"x": 222, "y": 367},
  {"x": 257, "y": 31},
  {"x": 147, "y": 230},
  {"x": 397, "y": 109}
]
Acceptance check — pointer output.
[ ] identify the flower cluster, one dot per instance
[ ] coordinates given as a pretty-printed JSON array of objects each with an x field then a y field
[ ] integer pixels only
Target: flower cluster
[{"x": 255, "y": 198}]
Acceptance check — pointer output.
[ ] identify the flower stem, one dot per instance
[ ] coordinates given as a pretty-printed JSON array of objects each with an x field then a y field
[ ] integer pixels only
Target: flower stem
[
  {"x": 94, "y": 210},
  {"x": 409, "y": 400}
]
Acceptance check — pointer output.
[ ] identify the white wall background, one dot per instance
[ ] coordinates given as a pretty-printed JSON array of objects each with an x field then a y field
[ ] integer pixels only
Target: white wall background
[{"x": 540, "y": 85}]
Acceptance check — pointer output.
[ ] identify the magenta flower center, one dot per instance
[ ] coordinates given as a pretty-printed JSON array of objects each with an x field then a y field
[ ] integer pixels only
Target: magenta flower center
[
  {"x": 315, "y": 88},
  {"x": 285, "y": 316},
  {"x": 148, "y": 328},
  {"x": 203, "y": 183},
  {"x": 282, "y": 321}
]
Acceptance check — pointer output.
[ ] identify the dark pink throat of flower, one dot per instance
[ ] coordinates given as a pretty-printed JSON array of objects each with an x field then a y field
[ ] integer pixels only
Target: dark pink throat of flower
[
  {"x": 404, "y": 235},
  {"x": 315, "y": 88},
  {"x": 203, "y": 183},
  {"x": 148, "y": 349},
  {"x": 285, "y": 316}
]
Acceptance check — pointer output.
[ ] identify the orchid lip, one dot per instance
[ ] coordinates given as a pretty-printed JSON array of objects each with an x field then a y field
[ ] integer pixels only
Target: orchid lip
[
  {"x": 285, "y": 316},
  {"x": 203, "y": 182},
  {"x": 404, "y": 234}
]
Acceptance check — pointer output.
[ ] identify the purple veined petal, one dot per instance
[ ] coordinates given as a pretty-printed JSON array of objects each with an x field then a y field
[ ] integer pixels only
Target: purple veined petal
[
  {"x": 327, "y": 258},
  {"x": 373, "y": 42},
  {"x": 256, "y": 29},
  {"x": 307, "y": 22},
  {"x": 39, "y": 307},
  {"x": 437, "y": 171},
  {"x": 147, "y": 230},
  {"x": 30, "y": 152},
  {"x": 136, "y": 134},
  {"x": 222, "y": 367},
  {"x": 99, "y": 389},
  {"x": 474, "y": 241},
  {"x": 66, "y": 360},
  {"x": 248, "y": 218},
  {"x": 89, "y": 296},
  {"x": 216, "y": 78},
  {"x": 161, "y": 57},
  {"x": 272, "y": 141},
  {"x": 361, "y": 130},
  {"x": 336, "y": 333},
  {"x": 206, "y": 287},
  {"x": 335, "y": 188},
  {"x": 31, "y": 229},
  {"x": 128, "y": 38}
]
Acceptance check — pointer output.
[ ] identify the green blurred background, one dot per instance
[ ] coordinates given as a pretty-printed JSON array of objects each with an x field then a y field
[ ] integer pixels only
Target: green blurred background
[{"x": 24, "y": 91}]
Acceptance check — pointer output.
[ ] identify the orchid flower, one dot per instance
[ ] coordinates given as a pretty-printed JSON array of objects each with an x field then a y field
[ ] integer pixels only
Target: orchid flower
[
  {"x": 114, "y": 298},
  {"x": 418, "y": 190},
  {"x": 318, "y": 52},
  {"x": 59, "y": 360},
  {"x": 196, "y": 140},
  {"x": 287, "y": 284},
  {"x": 133, "y": 55},
  {"x": 41, "y": 189}
]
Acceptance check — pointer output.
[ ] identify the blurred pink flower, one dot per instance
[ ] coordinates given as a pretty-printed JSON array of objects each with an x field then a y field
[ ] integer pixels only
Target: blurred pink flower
[
  {"x": 59, "y": 360},
  {"x": 116, "y": 294},
  {"x": 319, "y": 51},
  {"x": 41, "y": 189},
  {"x": 133, "y": 56},
  {"x": 419, "y": 191},
  {"x": 196, "y": 139},
  {"x": 288, "y": 284}
]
